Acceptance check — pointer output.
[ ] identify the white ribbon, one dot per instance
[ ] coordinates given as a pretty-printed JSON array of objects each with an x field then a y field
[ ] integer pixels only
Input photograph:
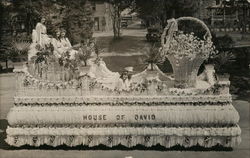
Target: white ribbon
[{"x": 170, "y": 29}]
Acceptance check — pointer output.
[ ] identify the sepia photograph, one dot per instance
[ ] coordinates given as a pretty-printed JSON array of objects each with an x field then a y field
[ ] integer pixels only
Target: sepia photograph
[{"x": 125, "y": 78}]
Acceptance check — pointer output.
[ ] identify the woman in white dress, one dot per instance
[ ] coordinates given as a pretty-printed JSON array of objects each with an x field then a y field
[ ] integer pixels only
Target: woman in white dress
[
  {"x": 66, "y": 45},
  {"x": 56, "y": 42},
  {"x": 64, "y": 40},
  {"x": 42, "y": 37},
  {"x": 32, "y": 51},
  {"x": 124, "y": 81},
  {"x": 39, "y": 36}
]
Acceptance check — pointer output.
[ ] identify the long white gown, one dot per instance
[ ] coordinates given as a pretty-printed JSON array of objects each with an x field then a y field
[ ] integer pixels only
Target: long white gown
[
  {"x": 42, "y": 37},
  {"x": 58, "y": 48},
  {"x": 123, "y": 85},
  {"x": 32, "y": 51},
  {"x": 65, "y": 42},
  {"x": 66, "y": 46},
  {"x": 39, "y": 36},
  {"x": 103, "y": 75}
]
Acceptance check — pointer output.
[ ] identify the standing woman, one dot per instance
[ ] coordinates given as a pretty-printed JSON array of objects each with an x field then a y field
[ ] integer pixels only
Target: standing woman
[{"x": 42, "y": 37}]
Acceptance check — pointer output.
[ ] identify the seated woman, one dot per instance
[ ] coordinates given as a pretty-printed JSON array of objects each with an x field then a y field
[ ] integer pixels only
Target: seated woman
[
  {"x": 91, "y": 44},
  {"x": 124, "y": 83},
  {"x": 56, "y": 42},
  {"x": 66, "y": 45},
  {"x": 64, "y": 40}
]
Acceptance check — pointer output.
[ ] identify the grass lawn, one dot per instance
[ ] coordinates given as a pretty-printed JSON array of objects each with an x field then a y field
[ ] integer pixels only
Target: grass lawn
[
  {"x": 118, "y": 63},
  {"x": 125, "y": 45}
]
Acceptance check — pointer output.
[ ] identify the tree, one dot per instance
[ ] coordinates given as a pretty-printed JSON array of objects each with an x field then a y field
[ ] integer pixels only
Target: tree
[
  {"x": 74, "y": 16},
  {"x": 115, "y": 9},
  {"x": 78, "y": 21},
  {"x": 6, "y": 51},
  {"x": 158, "y": 11},
  {"x": 27, "y": 11}
]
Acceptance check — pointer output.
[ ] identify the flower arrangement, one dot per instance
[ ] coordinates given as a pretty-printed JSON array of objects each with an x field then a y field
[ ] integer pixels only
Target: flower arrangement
[
  {"x": 29, "y": 80},
  {"x": 153, "y": 56},
  {"x": 43, "y": 58},
  {"x": 21, "y": 47},
  {"x": 189, "y": 46},
  {"x": 43, "y": 53},
  {"x": 84, "y": 54},
  {"x": 68, "y": 62},
  {"x": 185, "y": 51},
  {"x": 79, "y": 57}
]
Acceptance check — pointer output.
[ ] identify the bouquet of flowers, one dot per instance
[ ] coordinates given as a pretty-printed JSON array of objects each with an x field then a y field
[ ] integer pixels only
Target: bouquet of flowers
[
  {"x": 189, "y": 46},
  {"x": 185, "y": 51},
  {"x": 43, "y": 53}
]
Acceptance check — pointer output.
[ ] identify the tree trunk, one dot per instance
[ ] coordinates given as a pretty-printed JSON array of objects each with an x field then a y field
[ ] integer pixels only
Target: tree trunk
[
  {"x": 116, "y": 21},
  {"x": 114, "y": 27},
  {"x": 6, "y": 64},
  {"x": 173, "y": 13},
  {"x": 152, "y": 66}
]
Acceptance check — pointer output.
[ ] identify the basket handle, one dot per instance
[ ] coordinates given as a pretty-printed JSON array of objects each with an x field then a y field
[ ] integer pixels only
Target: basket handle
[
  {"x": 197, "y": 21},
  {"x": 182, "y": 19}
]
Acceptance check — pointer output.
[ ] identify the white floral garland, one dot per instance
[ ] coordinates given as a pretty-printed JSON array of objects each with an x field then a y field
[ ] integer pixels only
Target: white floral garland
[
  {"x": 29, "y": 80},
  {"x": 128, "y": 141},
  {"x": 129, "y": 137},
  {"x": 210, "y": 99},
  {"x": 120, "y": 131}
]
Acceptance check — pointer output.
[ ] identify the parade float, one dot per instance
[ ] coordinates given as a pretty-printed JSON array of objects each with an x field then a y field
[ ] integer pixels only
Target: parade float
[{"x": 86, "y": 107}]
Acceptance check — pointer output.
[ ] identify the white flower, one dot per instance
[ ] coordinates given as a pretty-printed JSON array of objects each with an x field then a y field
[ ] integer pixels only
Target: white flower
[{"x": 188, "y": 45}]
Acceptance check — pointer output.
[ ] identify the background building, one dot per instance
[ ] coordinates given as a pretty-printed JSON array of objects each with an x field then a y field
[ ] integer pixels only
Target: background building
[
  {"x": 229, "y": 15},
  {"x": 102, "y": 16}
]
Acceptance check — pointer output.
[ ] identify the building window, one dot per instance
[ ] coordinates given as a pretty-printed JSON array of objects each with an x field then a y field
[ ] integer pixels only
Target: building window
[
  {"x": 93, "y": 6},
  {"x": 217, "y": 2},
  {"x": 96, "y": 24}
]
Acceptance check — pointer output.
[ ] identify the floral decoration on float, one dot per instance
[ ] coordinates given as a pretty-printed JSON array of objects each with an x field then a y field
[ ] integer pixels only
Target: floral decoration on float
[
  {"x": 89, "y": 109},
  {"x": 185, "y": 51}
]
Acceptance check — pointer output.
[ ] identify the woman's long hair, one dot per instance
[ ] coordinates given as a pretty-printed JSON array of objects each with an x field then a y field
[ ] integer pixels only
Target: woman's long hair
[{"x": 55, "y": 35}]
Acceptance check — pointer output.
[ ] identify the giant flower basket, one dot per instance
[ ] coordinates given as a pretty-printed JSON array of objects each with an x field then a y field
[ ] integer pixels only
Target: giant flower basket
[{"x": 186, "y": 51}]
